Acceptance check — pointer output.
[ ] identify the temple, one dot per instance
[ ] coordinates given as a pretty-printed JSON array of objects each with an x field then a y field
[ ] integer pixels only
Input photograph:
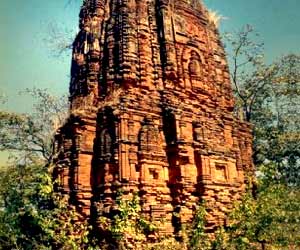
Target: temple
[{"x": 152, "y": 113}]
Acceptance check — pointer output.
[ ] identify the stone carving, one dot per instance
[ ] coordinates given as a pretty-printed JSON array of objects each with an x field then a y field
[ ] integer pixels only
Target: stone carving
[
  {"x": 105, "y": 145},
  {"x": 194, "y": 65},
  {"x": 149, "y": 137},
  {"x": 171, "y": 133}
]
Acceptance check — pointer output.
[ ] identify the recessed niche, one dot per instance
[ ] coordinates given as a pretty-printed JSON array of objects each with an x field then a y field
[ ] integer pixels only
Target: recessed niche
[
  {"x": 153, "y": 174},
  {"x": 221, "y": 172}
]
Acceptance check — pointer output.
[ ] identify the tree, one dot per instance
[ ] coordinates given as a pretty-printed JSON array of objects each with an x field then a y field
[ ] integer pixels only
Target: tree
[
  {"x": 31, "y": 136},
  {"x": 249, "y": 74},
  {"x": 58, "y": 39},
  {"x": 127, "y": 228},
  {"x": 270, "y": 219},
  {"x": 268, "y": 97},
  {"x": 277, "y": 130},
  {"x": 33, "y": 216}
]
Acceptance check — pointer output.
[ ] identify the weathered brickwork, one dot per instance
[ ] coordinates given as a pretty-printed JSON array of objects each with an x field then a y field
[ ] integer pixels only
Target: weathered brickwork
[{"x": 152, "y": 112}]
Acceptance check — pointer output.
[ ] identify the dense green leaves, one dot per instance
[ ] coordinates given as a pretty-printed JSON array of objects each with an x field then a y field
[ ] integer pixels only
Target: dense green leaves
[
  {"x": 271, "y": 219},
  {"x": 128, "y": 228},
  {"x": 33, "y": 216},
  {"x": 198, "y": 239}
]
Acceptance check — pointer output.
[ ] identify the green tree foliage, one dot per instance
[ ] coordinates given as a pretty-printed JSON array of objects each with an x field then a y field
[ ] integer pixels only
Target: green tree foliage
[
  {"x": 276, "y": 120},
  {"x": 198, "y": 239},
  {"x": 128, "y": 228},
  {"x": 269, "y": 221},
  {"x": 30, "y": 137},
  {"x": 33, "y": 216},
  {"x": 268, "y": 96}
]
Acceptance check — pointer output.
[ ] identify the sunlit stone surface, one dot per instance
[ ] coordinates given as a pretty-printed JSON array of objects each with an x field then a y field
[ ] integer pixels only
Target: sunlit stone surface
[{"x": 152, "y": 112}]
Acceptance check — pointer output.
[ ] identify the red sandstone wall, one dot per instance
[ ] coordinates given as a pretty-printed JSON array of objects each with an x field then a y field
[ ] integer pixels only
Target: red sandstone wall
[{"x": 151, "y": 105}]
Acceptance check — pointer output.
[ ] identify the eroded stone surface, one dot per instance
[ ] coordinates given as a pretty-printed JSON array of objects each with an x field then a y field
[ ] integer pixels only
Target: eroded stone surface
[{"x": 152, "y": 112}]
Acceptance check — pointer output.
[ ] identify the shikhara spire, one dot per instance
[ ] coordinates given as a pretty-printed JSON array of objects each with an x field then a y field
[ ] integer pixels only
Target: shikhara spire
[{"x": 152, "y": 112}]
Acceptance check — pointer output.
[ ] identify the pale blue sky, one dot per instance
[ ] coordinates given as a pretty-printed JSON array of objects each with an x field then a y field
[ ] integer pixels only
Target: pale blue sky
[
  {"x": 278, "y": 21},
  {"x": 25, "y": 60}
]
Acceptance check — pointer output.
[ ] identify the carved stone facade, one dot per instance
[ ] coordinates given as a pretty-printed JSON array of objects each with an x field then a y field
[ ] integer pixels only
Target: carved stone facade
[{"x": 152, "y": 112}]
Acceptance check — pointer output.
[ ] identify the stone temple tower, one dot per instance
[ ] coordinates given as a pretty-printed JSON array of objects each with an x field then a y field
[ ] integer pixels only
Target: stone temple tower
[{"x": 152, "y": 113}]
